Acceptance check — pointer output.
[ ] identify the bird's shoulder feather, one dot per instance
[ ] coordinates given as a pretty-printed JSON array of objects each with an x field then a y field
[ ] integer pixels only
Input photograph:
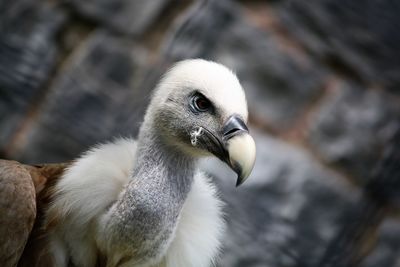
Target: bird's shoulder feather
[
  {"x": 39, "y": 178},
  {"x": 17, "y": 209}
]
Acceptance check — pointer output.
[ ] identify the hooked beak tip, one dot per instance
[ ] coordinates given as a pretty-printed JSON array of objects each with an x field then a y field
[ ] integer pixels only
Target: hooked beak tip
[
  {"x": 242, "y": 153},
  {"x": 239, "y": 181},
  {"x": 236, "y": 147}
]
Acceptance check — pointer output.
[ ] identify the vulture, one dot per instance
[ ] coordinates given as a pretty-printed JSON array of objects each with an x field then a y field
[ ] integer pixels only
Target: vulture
[{"x": 143, "y": 202}]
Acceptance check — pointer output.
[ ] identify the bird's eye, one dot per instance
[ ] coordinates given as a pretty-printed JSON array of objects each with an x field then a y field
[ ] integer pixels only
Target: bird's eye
[{"x": 200, "y": 103}]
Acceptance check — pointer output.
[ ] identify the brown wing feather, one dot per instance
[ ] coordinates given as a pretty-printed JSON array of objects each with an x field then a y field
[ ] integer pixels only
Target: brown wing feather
[
  {"x": 36, "y": 252},
  {"x": 17, "y": 211}
]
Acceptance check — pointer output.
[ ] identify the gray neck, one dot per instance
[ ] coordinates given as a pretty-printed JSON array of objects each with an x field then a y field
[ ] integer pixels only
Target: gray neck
[
  {"x": 149, "y": 208},
  {"x": 163, "y": 166}
]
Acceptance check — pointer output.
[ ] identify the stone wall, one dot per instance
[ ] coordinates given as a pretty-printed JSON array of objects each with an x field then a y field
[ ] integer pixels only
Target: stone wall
[{"x": 321, "y": 79}]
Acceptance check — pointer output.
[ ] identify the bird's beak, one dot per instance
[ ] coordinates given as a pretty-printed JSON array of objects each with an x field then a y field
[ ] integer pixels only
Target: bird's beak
[
  {"x": 240, "y": 147},
  {"x": 233, "y": 145}
]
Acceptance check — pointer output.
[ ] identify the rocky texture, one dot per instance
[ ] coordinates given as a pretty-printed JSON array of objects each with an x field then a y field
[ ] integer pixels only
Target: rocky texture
[
  {"x": 93, "y": 99},
  {"x": 320, "y": 76},
  {"x": 352, "y": 127},
  {"x": 388, "y": 246},
  {"x": 359, "y": 39},
  {"x": 358, "y": 232},
  {"x": 28, "y": 54},
  {"x": 124, "y": 16},
  {"x": 285, "y": 85}
]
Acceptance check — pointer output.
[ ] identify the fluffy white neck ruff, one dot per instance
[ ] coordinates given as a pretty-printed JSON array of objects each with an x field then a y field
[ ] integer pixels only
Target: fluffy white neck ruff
[{"x": 95, "y": 181}]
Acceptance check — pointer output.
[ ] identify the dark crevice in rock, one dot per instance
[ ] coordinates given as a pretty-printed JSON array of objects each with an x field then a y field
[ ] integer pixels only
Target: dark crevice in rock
[
  {"x": 341, "y": 68},
  {"x": 78, "y": 17}
]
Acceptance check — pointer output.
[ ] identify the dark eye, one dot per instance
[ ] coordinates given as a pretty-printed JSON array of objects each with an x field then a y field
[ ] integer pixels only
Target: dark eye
[{"x": 200, "y": 103}]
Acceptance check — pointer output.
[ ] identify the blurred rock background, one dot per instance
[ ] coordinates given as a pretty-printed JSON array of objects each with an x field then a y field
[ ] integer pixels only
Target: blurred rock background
[{"x": 321, "y": 76}]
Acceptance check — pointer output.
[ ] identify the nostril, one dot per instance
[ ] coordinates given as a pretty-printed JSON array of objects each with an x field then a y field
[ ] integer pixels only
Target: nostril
[
  {"x": 231, "y": 131},
  {"x": 233, "y": 126}
]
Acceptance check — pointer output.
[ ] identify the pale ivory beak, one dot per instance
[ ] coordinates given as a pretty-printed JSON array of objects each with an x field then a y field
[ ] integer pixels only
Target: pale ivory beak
[
  {"x": 236, "y": 147},
  {"x": 242, "y": 155}
]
